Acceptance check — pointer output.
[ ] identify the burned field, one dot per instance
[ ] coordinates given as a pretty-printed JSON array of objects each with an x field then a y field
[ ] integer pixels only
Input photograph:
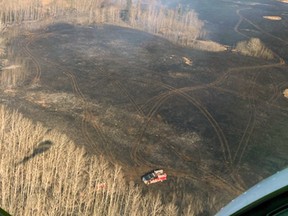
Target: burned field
[{"x": 212, "y": 121}]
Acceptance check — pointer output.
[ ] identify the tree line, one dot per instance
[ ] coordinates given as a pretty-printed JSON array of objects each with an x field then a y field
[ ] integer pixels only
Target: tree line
[
  {"x": 43, "y": 172},
  {"x": 180, "y": 25}
]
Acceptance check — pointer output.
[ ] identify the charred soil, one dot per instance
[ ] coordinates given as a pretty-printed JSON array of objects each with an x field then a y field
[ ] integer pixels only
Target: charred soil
[{"x": 132, "y": 97}]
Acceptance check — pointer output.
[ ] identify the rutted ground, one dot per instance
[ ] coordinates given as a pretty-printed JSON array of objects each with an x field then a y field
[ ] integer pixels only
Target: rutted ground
[
  {"x": 142, "y": 97},
  {"x": 146, "y": 103}
]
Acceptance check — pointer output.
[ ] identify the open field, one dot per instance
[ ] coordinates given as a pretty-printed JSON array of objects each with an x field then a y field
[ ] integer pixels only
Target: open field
[{"x": 215, "y": 122}]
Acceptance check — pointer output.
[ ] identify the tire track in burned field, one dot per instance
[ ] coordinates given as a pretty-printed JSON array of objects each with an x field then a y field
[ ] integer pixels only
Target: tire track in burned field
[
  {"x": 209, "y": 177},
  {"x": 275, "y": 89},
  {"x": 206, "y": 177},
  {"x": 171, "y": 91},
  {"x": 218, "y": 81},
  {"x": 242, "y": 18},
  {"x": 242, "y": 145},
  {"x": 133, "y": 102},
  {"x": 87, "y": 118},
  {"x": 86, "y": 114},
  {"x": 250, "y": 126},
  {"x": 278, "y": 91},
  {"x": 162, "y": 98},
  {"x": 31, "y": 38},
  {"x": 117, "y": 83}
]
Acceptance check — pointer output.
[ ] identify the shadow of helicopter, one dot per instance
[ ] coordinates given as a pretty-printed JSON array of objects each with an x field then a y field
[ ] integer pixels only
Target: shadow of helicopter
[{"x": 40, "y": 148}]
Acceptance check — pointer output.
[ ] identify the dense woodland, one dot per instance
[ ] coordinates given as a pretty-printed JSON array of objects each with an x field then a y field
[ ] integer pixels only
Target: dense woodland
[
  {"x": 179, "y": 25},
  {"x": 44, "y": 173}
]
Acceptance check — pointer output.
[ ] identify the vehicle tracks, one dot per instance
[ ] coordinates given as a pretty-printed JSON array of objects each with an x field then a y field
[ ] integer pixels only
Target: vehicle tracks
[
  {"x": 242, "y": 145},
  {"x": 251, "y": 122},
  {"x": 87, "y": 117},
  {"x": 156, "y": 103},
  {"x": 179, "y": 92},
  {"x": 236, "y": 28},
  {"x": 31, "y": 39},
  {"x": 125, "y": 92}
]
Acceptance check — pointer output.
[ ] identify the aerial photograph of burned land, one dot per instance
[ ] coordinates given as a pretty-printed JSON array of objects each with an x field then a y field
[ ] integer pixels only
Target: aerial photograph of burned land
[{"x": 140, "y": 107}]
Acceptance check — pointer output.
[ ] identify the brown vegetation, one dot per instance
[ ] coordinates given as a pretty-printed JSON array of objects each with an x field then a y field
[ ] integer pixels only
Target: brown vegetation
[
  {"x": 177, "y": 25},
  {"x": 187, "y": 61},
  {"x": 284, "y": 1},
  {"x": 13, "y": 73},
  {"x": 274, "y": 18},
  {"x": 44, "y": 173},
  {"x": 254, "y": 47},
  {"x": 210, "y": 46},
  {"x": 285, "y": 93},
  {"x": 14, "y": 69}
]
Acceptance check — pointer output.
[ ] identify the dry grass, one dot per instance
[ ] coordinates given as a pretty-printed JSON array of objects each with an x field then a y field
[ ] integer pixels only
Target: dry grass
[
  {"x": 13, "y": 73},
  {"x": 283, "y": 1},
  {"x": 187, "y": 61},
  {"x": 254, "y": 47},
  {"x": 182, "y": 27},
  {"x": 285, "y": 93},
  {"x": 274, "y": 18},
  {"x": 42, "y": 172},
  {"x": 210, "y": 46}
]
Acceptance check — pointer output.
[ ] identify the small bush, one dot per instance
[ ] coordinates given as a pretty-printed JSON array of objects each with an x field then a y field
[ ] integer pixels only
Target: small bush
[{"x": 254, "y": 47}]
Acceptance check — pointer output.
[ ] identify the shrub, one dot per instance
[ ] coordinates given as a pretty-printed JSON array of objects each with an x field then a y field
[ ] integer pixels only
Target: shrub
[{"x": 254, "y": 47}]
